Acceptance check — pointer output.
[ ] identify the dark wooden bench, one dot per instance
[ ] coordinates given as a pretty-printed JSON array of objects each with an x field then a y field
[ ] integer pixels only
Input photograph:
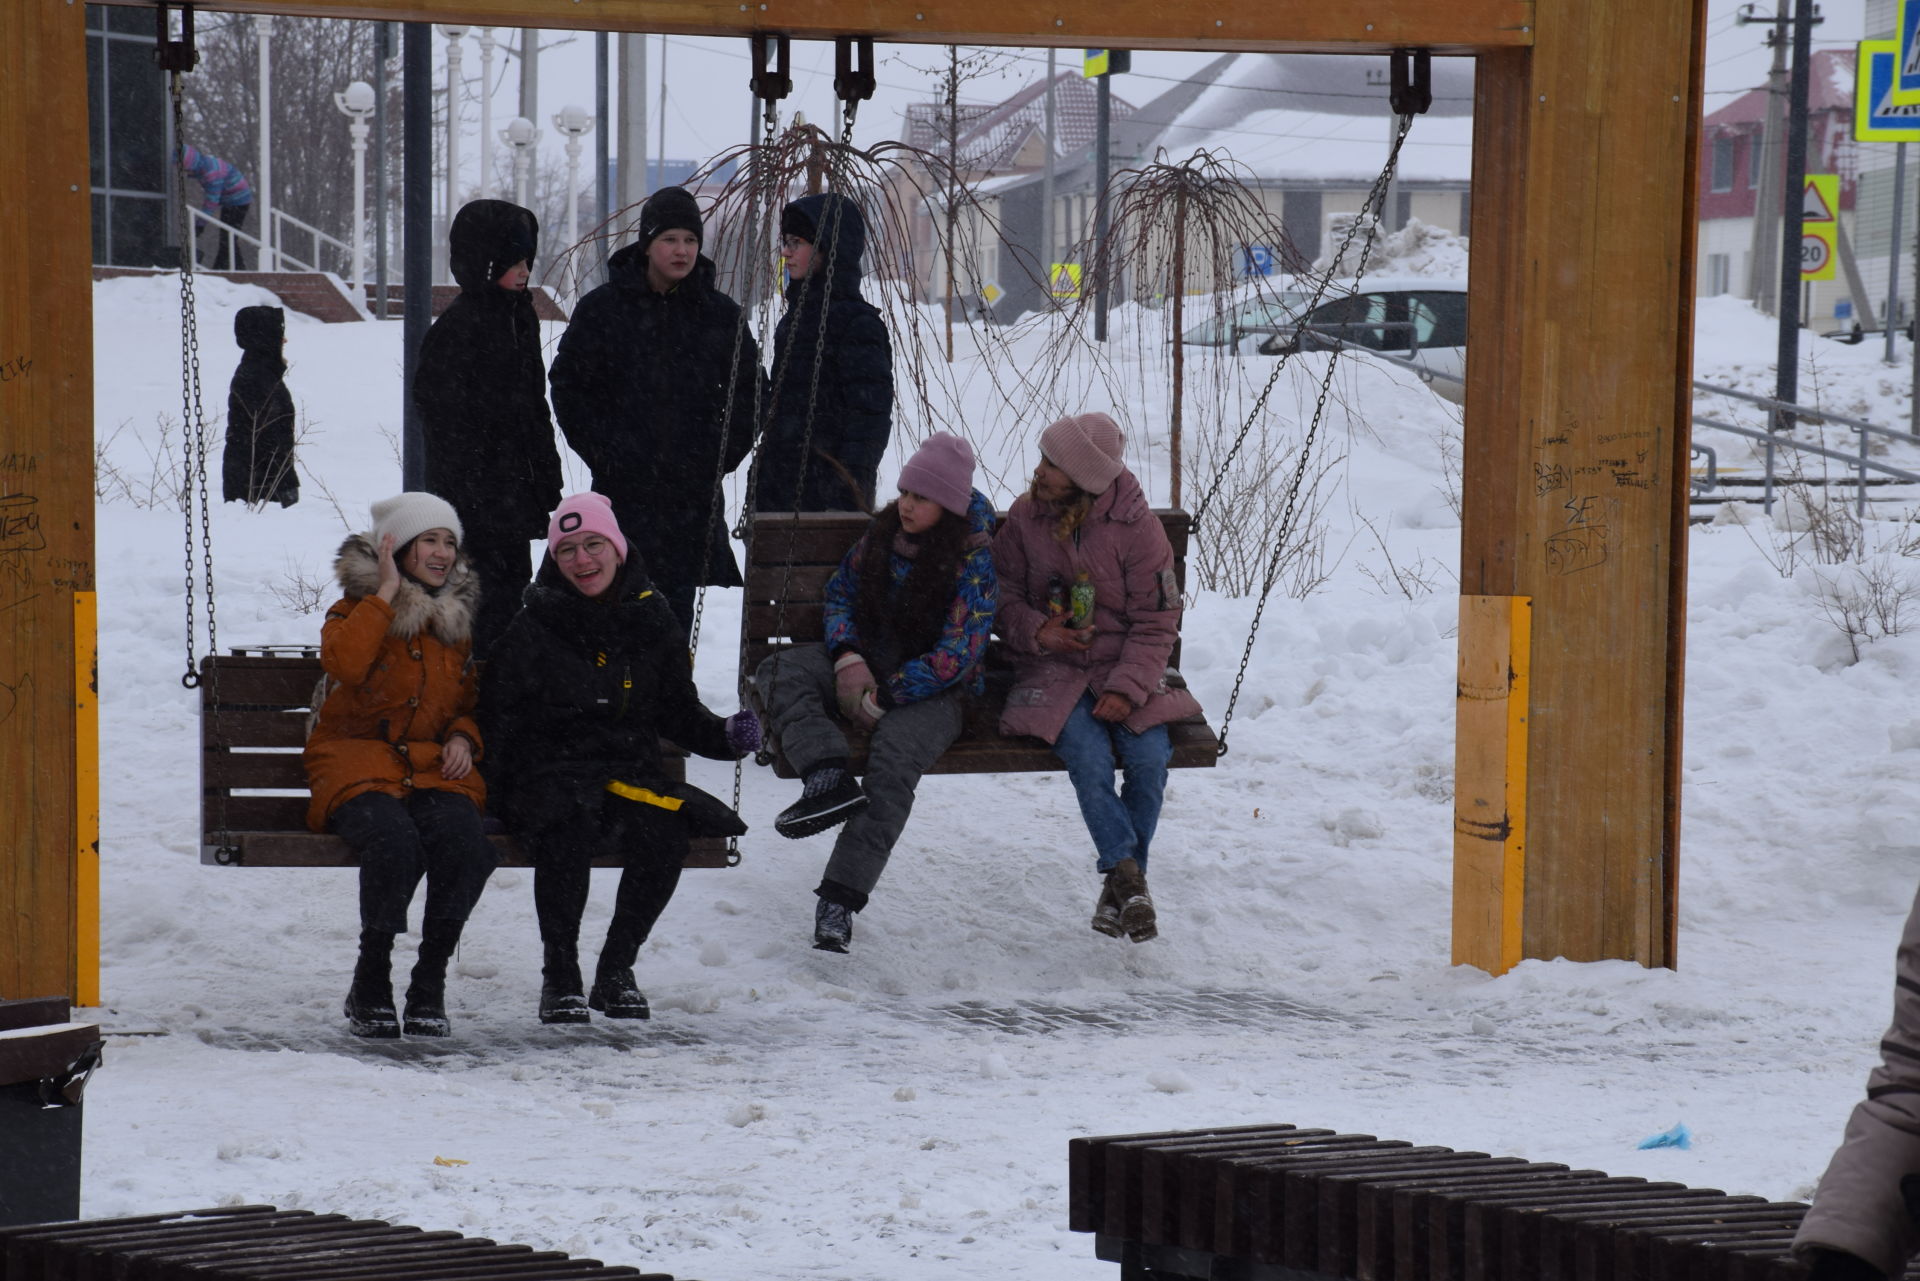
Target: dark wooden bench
[
  {"x": 1278, "y": 1201},
  {"x": 249, "y": 1242},
  {"x": 794, "y": 554},
  {"x": 253, "y": 788}
]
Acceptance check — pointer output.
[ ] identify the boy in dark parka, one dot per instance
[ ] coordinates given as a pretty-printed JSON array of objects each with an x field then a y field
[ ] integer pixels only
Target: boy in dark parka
[
  {"x": 481, "y": 392},
  {"x": 822, "y": 238},
  {"x": 640, "y": 387},
  {"x": 257, "y": 463}
]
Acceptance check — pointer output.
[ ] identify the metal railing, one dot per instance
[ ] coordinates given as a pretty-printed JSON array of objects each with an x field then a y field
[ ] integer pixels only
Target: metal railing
[{"x": 275, "y": 255}]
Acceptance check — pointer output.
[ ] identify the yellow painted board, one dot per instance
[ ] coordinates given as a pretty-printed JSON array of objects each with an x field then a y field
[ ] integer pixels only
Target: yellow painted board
[{"x": 86, "y": 798}]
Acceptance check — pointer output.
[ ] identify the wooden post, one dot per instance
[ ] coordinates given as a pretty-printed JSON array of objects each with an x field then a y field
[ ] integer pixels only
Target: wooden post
[
  {"x": 1575, "y": 480},
  {"x": 46, "y": 501}
]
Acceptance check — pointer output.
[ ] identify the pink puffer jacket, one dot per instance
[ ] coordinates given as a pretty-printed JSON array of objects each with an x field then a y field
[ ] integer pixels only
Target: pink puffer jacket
[{"x": 1136, "y": 614}]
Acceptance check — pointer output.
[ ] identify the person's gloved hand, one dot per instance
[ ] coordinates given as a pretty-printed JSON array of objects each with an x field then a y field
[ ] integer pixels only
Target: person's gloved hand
[
  {"x": 743, "y": 731},
  {"x": 868, "y": 713},
  {"x": 852, "y": 679}
]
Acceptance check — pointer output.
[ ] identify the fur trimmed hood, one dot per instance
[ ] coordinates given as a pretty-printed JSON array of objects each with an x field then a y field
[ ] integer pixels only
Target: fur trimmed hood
[{"x": 448, "y": 613}]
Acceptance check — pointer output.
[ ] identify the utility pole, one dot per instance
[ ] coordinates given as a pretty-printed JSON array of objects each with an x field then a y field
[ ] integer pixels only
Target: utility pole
[
  {"x": 1762, "y": 269},
  {"x": 382, "y": 53},
  {"x": 1102, "y": 161},
  {"x": 601, "y": 205},
  {"x": 660, "y": 152},
  {"x": 530, "y": 73},
  {"x": 1046, "y": 188},
  {"x": 633, "y": 120},
  {"x": 416, "y": 153}
]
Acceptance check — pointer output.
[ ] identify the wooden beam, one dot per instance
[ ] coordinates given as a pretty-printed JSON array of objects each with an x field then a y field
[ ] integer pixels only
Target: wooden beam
[
  {"x": 46, "y": 488},
  {"x": 1306, "y": 26},
  {"x": 1575, "y": 449}
]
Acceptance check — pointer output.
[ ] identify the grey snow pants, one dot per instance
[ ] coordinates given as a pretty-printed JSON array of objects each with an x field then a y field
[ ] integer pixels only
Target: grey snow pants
[{"x": 797, "y": 687}]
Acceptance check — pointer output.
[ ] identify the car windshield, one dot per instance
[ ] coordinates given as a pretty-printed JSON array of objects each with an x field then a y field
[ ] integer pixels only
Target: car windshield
[{"x": 1259, "y": 316}]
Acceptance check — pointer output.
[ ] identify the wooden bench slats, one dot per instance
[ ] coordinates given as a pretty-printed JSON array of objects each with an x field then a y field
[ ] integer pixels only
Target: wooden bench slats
[
  {"x": 255, "y": 1243},
  {"x": 267, "y": 681},
  {"x": 802, "y": 582},
  {"x": 257, "y": 728},
  {"x": 1239, "y": 1200}
]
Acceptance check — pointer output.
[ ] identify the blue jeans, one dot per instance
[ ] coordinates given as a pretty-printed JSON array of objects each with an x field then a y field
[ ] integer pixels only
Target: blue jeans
[{"x": 1121, "y": 823}]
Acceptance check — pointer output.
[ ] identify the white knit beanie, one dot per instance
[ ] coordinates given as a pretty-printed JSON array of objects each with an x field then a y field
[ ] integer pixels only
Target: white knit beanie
[{"x": 409, "y": 515}]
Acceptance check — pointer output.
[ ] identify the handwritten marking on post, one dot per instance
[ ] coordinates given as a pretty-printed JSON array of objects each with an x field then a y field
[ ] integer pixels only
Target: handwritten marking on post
[
  {"x": 1572, "y": 550},
  {"x": 1548, "y": 477},
  {"x": 20, "y": 524},
  {"x": 18, "y": 367}
]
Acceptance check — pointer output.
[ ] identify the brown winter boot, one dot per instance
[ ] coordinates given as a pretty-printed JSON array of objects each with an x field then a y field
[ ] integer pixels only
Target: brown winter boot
[
  {"x": 1106, "y": 913},
  {"x": 1127, "y": 885}
]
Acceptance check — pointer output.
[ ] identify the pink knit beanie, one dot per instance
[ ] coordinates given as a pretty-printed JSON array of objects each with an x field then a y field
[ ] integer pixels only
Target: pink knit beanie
[
  {"x": 1087, "y": 447},
  {"x": 941, "y": 469},
  {"x": 586, "y": 513}
]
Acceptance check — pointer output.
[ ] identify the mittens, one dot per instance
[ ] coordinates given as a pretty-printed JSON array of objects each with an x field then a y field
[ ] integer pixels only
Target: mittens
[
  {"x": 743, "y": 732},
  {"x": 852, "y": 681}
]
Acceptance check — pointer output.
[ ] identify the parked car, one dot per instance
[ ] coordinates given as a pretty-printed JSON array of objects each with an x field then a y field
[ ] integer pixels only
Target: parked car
[
  {"x": 1257, "y": 316},
  {"x": 1415, "y": 319}
]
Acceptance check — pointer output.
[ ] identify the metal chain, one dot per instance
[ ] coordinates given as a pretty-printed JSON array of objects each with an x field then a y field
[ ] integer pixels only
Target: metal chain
[
  {"x": 193, "y": 427},
  {"x": 1375, "y": 196}
]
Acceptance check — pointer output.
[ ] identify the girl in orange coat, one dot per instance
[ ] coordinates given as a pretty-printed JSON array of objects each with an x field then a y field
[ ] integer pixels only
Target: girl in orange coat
[{"x": 390, "y": 759}]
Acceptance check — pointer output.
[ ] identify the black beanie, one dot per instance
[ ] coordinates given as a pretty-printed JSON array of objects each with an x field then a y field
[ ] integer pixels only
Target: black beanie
[
  {"x": 669, "y": 209},
  {"x": 794, "y": 222}
]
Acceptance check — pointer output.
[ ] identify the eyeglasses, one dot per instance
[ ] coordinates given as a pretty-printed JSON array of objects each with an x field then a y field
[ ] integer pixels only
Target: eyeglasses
[
  {"x": 789, "y": 244},
  {"x": 589, "y": 547}
]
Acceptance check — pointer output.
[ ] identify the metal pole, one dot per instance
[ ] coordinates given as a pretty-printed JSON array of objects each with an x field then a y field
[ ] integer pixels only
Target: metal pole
[
  {"x": 660, "y": 151},
  {"x": 417, "y": 243},
  {"x": 453, "y": 35},
  {"x": 1046, "y": 189},
  {"x": 357, "y": 129},
  {"x": 1101, "y": 144},
  {"x": 382, "y": 50},
  {"x": 633, "y": 120},
  {"x": 1913, "y": 423},
  {"x": 263, "y": 188},
  {"x": 530, "y": 73},
  {"x": 1792, "y": 197},
  {"x": 1761, "y": 268},
  {"x": 602, "y": 206},
  {"x": 486, "y": 112},
  {"x": 573, "y": 217},
  {"x": 1892, "y": 316}
]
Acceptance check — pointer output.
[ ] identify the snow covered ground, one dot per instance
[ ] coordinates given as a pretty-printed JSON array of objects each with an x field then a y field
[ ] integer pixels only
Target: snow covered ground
[{"x": 790, "y": 1113}]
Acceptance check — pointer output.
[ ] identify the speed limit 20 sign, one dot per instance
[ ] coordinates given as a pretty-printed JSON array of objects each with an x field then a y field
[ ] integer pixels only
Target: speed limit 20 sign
[{"x": 1819, "y": 226}]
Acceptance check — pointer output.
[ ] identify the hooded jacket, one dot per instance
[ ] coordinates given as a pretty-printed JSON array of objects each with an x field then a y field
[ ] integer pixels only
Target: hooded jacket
[
  {"x": 257, "y": 464},
  {"x": 1136, "y": 613},
  {"x": 640, "y": 386},
  {"x": 578, "y": 692},
  {"x": 1858, "y": 1206},
  {"x": 481, "y": 387},
  {"x": 853, "y": 396},
  {"x": 400, "y": 684},
  {"x": 954, "y": 660}
]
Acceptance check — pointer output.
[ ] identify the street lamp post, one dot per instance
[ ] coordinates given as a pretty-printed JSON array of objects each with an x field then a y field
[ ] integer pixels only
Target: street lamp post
[
  {"x": 454, "y": 35},
  {"x": 263, "y": 188},
  {"x": 357, "y": 105},
  {"x": 522, "y": 137},
  {"x": 486, "y": 111},
  {"x": 575, "y": 122}
]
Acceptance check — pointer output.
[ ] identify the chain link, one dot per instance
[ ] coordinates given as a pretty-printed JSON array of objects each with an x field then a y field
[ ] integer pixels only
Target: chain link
[
  {"x": 1375, "y": 200},
  {"x": 193, "y": 427}
]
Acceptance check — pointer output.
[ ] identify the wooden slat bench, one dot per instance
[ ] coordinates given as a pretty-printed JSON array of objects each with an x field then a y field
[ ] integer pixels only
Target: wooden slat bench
[
  {"x": 253, "y": 788},
  {"x": 1267, "y": 1202},
  {"x": 791, "y": 558},
  {"x": 256, "y": 1242}
]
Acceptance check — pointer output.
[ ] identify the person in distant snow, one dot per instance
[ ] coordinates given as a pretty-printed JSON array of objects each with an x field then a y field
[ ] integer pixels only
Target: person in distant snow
[
  {"x": 1102, "y": 693},
  {"x": 256, "y": 466},
  {"x": 224, "y": 192},
  {"x": 481, "y": 392},
  {"x": 391, "y": 755}
]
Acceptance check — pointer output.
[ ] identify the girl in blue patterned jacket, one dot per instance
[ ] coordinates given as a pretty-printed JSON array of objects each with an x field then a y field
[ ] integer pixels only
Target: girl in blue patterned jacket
[{"x": 908, "y": 614}]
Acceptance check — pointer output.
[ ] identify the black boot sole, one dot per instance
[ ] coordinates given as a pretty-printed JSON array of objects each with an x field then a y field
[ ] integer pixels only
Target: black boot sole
[
  {"x": 831, "y": 945},
  {"x": 374, "y": 1025},
  {"x": 425, "y": 1024},
  {"x": 566, "y": 1014},
  {"x": 814, "y": 824},
  {"x": 621, "y": 1011}
]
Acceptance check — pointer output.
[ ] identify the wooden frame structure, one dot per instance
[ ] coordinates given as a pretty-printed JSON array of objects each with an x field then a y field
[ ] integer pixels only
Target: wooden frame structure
[{"x": 1577, "y": 431}]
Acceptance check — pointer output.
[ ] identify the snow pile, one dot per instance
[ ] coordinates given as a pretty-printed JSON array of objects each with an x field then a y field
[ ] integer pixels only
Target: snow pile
[{"x": 904, "y": 1111}]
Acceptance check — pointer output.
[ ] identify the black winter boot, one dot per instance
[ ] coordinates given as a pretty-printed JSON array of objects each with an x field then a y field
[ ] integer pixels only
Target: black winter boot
[
  {"x": 832, "y": 926},
  {"x": 616, "y": 995},
  {"x": 369, "y": 1003},
  {"x": 427, "y": 992},
  {"x": 1127, "y": 884},
  {"x": 831, "y": 796},
  {"x": 561, "y": 999}
]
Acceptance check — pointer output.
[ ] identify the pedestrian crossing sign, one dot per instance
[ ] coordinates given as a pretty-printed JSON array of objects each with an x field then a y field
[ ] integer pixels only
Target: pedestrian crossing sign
[
  {"x": 1063, "y": 280},
  {"x": 1906, "y": 77},
  {"x": 1876, "y": 116}
]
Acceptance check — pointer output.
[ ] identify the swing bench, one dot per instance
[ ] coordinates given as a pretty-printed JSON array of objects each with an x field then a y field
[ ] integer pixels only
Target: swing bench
[
  {"x": 253, "y": 787},
  {"x": 791, "y": 555}
]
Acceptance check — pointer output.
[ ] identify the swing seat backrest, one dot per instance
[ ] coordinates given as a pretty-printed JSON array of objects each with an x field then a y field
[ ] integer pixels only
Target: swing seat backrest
[
  {"x": 254, "y": 711},
  {"x": 792, "y": 557}
]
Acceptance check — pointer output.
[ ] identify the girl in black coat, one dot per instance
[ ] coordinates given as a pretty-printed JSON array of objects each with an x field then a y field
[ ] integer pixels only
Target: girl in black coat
[
  {"x": 827, "y": 323},
  {"x": 481, "y": 392},
  {"x": 641, "y": 382},
  {"x": 576, "y": 695},
  {"x": 257, "y": 465}
]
